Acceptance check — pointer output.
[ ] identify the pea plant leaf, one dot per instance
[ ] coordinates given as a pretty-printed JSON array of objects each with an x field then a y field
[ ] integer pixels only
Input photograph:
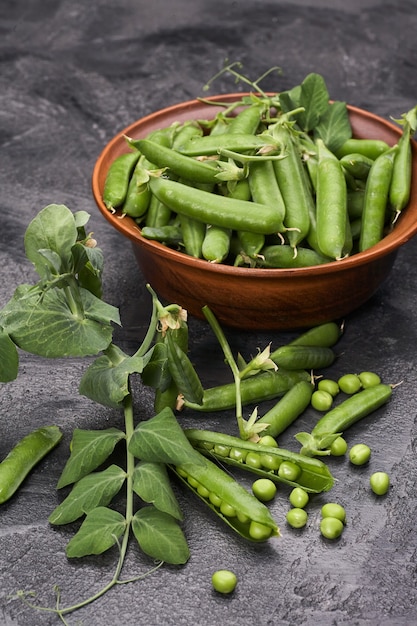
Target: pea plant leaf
[
  {"x": 161, "y": 439},
  {"x": 54, "y": 228},
  {"x": 89, "y": 449},
  {"x": 159, "y": 536},
  {"x": 9, "y": 358},
  {"x": 99, "y": 531},
  {"x": 88, "y": 265},
  {"x": 106, "y": 380},
  {"x": 183, "y": 373},
  {"x": 96, "y": 489},
  {"x": 46, "y": 326},
  {"x": 152, "y": 484},
  {"x": 314, "y": 97},
  {"x": 334, "y": 126}
]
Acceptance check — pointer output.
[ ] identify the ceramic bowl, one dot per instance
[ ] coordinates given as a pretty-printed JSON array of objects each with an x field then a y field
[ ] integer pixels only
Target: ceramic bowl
[{"x": 258, "y": 299}]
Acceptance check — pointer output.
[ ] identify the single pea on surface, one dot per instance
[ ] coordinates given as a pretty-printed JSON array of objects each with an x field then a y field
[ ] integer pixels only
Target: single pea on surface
[
  {"x": 331, "y": 527},
  {"x": 321, "y": 400},
  {"x": 359, "y": 454},
  {"x": 334, "y": 510},
  {"x": 299, "y": 498},
  {"x": 369, "y": 379},
  {"x": 329, "y": 385},
  {"x": 264, "y": 489},
  {"x": 338, "y": 447},
  {"x": 380, "y": 483},
  {"x": 349, "y": 383},
  {"x": 297, "y": 517},
  {"x": 224, "y": 581}
]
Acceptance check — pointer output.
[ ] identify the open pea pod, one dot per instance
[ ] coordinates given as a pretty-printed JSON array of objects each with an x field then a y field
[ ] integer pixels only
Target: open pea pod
[
  {"x": 278, "y": 464},
  {"x": 238, "y": 508}
]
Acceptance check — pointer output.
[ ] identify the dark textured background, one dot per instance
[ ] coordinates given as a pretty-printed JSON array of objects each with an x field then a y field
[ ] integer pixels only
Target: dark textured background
[{"x": 72, "y": 74}]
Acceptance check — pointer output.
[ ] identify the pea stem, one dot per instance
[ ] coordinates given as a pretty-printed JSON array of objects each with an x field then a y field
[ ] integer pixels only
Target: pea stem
[{"x": 232, "y": 364}]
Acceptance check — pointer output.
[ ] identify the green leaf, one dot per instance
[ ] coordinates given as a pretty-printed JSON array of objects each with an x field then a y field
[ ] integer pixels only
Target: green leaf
[
  {"x": 162, "y": 440},
  {"x": 183, "y": 373},
  {"x": 96, "y": 489},
  {"x": 88, "y": 265},
  {"x": 107, "y": 382},
  {"x": 81, "y": 219},
  {"x": 314, "y": 97},
  {"x": 100, "y": 531},
  {"x": 45, "y": 324},
  {"x": 151, "y": 483},
  {"x": 160, "y": 536},
  {"x": 54, "y": 229},
  {"x": 156, "y": 374},
  {"x": 290, "y": 99},
  {"x": 89, "y": 449},
  {"x": 334, "y": 126},
  {"x": 9, "y": 358}
]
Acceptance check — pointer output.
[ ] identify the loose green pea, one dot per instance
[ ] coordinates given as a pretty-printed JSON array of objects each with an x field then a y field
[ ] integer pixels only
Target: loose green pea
[
  {"x": 380, "y": 483},
  {"x": 331, "y": 527},
  {"x": 369, "y": 379},
  {"x": 321, "y": 400},
  {"x": 264, "y": 489},
  {"x": 339, "y": 447},
  {"x": 334, "y": 510},
  {"x": 267, "y": 440},
  {"x": 253, "y": 459},
  {"x": 259, "y": 531},
  {"x": 289, "y": 470},
  {"x": 224, "y": 581},
  {"x": 299, "y": 498},
  {"x": 297, "y": 518},
  {"x": 349, "y": 383},
  {"x": 329, "y": 385},
  {"x": 359, "y": 454}
]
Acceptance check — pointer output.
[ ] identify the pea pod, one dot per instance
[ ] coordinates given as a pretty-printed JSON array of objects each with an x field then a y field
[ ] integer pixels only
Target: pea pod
[
  {"x": 402, "y": 169},
  {"x": 371, "y": 148},
  {"x": 287, "y": 409},
  {"x": 313, "y": 475},
  {"x": 282, "y": 256},
  {"x": 117, "y": 179},
  {"x": 341, "y": 417},
  {"x": 210, "y": 145},
  {"x": 264, "y": 386},
  {"x": 326, "y": 335},
  {"x": 299, "y": 357},
  {"x": 210, "y": 208},
  {"x": 357, "y": 165},
  {"x": 244, "y": 513},
  {"x": 216, "y": 244},
  {"x": 24, "y": 456}
]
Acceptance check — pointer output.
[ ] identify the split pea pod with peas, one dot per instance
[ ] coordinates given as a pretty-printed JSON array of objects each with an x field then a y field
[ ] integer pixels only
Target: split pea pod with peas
[{"x": 23, "y": 458}]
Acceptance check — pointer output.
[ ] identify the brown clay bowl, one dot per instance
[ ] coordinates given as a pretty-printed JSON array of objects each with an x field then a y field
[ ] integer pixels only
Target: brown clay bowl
[{"x": 259, "y": 299}]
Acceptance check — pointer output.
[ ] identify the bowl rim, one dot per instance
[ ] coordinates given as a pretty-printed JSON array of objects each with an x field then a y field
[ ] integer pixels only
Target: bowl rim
[{"x": 129, "y": 228}]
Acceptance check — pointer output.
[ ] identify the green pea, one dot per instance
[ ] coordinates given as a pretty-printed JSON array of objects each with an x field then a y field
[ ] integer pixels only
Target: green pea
[
  {"x": 214, "y": 499},
  {"x": 259, "y": 531},
  {"x": 267, "y": 440},
  {"x": 270, "y": 462},
  {"x": 339, "y": 447},
  {"x": 221, "y": 450},
  {"x": 369, "y": 379},
  {"x": 359, "y": 454},
  {"x": 243, "y": 519},
  {"x": 299, "y": 498},
  {"x": 253, "y": 459},
  {"x": 227, "y": 510},
  {"x": 321, "y": 400},
  {"x": 297, "y": 518},
  {"x": 289, "y": 470},
  {"x": 334, "y": 510},
  {"x": 329, "y": 385},
  {"x": 264, "y": 489},
  {"x": 192, "y": 482},
  {"x": 203, "y": 491},
  {"x": 224, "y": 581},
  {"x": 238, "y": 455},
  {"x": 331, "y": 527},
  {"x": 380, "y": 483},
  {"x": 349, "y": 383}
]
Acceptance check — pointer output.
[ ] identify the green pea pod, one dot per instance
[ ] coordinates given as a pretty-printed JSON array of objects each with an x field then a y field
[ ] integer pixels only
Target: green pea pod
[
  {"x": 341, "y": 417},
  {"x": 212, "y": 209},
  {"x": 400, "y": 186},
  {"x": 170, "y": 234},
  {"x": 325, "y": 335},
  {"x": 23, "y": 458},
  {"x": 263, "y": 386},
  {"x": 282, "y": 256},
  {"x": 243, "y": 512},
  {"x": 178, "y": 163},
  {"x": 183, "y": 373},
  {"x": 247, "y": 120},
  {"x": 297, "y": 357},
  {"x": 264, "y": 187},
  {"x": 314, "y": 477},
  {"x": 216, "y": 244},
  {"x": 138, "y": 193},
  {"x": 376, "y": 200},
  {"x": 209, "y": 145},
  {"x": 287, "y": 409},
  {"x": 357, "y": 165},
  {"x": 331, "y": 201},
  {"x": 158, "y": 214},
  {"x": 117, "y": 179},
  {"x": 371, "y": 148}
]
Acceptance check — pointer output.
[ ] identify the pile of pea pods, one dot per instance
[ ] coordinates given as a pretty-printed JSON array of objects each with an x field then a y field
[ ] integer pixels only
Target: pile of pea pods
[{"x": 261, "y": 185}]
